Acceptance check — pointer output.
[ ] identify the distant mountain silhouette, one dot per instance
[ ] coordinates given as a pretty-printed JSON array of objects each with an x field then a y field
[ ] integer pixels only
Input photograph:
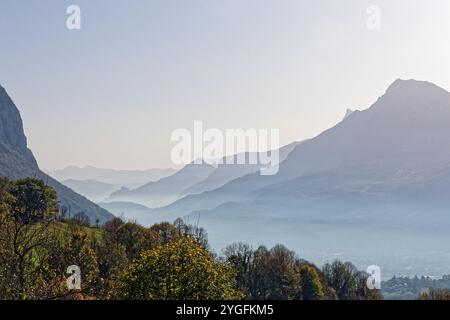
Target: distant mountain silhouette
[
  {"x": 192, "y": 180},
  {"x": 165, "y": 191},
  {"x": 128, "y": 210},
  {"x": 119, "y": 178},
  {"x": 404, "y": 137},
  {"x": 376, "y": 183},
  {"x": 219, "y": 187},
  {"x": 225, "y": 172},
  {"x": 17, "y": 161},
  {"x": 94, "y": 190}
]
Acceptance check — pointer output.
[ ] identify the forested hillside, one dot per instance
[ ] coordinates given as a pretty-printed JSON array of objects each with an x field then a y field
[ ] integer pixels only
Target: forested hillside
[{"x": 124, "y": 260}]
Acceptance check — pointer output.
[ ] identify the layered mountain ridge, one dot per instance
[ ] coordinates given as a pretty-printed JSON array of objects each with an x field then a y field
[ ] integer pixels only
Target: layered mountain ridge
[{"x": 374, "y": 186}]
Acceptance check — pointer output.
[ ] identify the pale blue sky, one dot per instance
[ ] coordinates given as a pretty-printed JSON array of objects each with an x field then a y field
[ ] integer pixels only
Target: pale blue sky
[{"x": 111, "y": 94}]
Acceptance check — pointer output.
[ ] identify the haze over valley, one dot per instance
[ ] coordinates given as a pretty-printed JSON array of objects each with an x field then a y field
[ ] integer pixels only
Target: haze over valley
[
  {"x": 378, "y": 177},
  {"x": 349, "y": 98}
]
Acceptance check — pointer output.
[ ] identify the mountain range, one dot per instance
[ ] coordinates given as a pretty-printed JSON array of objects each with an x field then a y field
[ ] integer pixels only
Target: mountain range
[
  {"x": 97, "y": 184},
  {"x": 94, "y": 190},
  {"x": 119, "y": 178},
  {"x": 374, "y": 188},
  {"x": 401, "y": 142},
  {"x": 193, "y": 179},
  {"x": 376, "y": 183}
]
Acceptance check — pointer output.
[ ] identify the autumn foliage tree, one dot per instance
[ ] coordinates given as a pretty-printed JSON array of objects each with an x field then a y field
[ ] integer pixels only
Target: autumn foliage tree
[
  {"x": 179, "y": 270},
  {"x": 134, "y": 237},
  {"x": 435, "y": 294},
  {"x": 125, "y": 260}
]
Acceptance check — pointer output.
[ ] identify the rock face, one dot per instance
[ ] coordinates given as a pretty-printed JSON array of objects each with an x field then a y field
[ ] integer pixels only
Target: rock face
[
  {"x": 17, "y": 161},
  {"x": 13, "y": 143}
]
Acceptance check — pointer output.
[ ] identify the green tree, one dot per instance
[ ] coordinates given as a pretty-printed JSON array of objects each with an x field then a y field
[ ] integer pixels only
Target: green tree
[
  {"x": 179, "y": 270},
  {"x": 74, "y": 248},
  {"x": 311, "y": 286},
  {"x": 112, "y": 262},
  {"x": 274, "y": 274},
  {"x": 31, "y": 201},
  {"x": 134, "y": 237},
  {"x": 347, "y": 282},
  {"x": 28, "y": 212}
]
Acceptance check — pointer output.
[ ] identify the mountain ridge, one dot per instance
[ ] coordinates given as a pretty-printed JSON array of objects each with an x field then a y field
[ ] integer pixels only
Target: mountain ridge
[
  {"x": 400, "y": 141},
  {"x": 126, "y": 178},
  {"x": 376, "y": 186}
]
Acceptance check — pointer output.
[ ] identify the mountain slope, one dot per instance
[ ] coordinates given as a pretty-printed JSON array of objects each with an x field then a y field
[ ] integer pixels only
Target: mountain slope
[
  {"x": 382, "y": 173},
  {"x": 406, "y": 131},
  {"x": 407, "y": 128},
  {"x": 401, "y": 143},
  {"x": 17, "y": 161}
]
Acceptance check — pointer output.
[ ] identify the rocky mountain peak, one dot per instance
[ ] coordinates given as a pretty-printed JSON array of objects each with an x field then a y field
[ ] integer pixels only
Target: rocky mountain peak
[{"x": 11, "y": 128}]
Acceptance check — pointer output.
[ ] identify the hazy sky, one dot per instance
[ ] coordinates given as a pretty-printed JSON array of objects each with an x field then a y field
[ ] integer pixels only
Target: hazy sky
[{"x": 110, "y": 94}]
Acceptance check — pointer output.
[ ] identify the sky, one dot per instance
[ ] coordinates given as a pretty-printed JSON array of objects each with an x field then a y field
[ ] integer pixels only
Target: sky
[{"x": 110, "y": 95}]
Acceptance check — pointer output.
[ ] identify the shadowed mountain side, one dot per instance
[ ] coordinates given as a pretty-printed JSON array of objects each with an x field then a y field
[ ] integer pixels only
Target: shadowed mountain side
[
  {"x": 373, "y": 189},
  {"x": 407, "y": 128},
  {"x": 406, "y": 132},
  {"x": 17, "y": 161}
]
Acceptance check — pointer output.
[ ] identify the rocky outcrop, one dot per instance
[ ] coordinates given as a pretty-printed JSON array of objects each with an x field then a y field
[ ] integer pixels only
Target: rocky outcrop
[{"x": 17, "y": 161}]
